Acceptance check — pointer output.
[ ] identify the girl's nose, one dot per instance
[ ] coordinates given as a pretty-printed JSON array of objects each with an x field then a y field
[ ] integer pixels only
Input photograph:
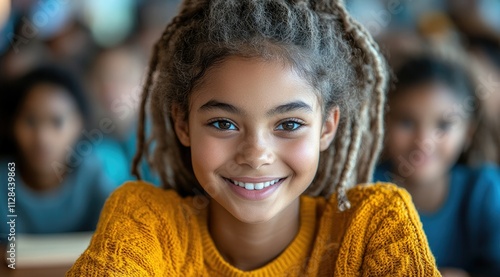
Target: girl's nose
[
  {"x": 255, "y": 151},
  {"x": 425, "y": 134}
]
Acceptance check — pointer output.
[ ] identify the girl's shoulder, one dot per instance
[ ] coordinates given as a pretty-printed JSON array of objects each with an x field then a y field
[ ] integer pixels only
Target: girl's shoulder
[
  {"x": 142, "y": 229},
  {"x": 481, "y": 188},
  {"x": 374, "y": 201},
  {"x": 485, "y": 173},
  {"x": 476, "y": 181},
  {"x": 138, "y": 192},
  {"x": 377, "y": 194},
  {"x": 380, "y": 229},
  {"x": 148, "y": 203}
]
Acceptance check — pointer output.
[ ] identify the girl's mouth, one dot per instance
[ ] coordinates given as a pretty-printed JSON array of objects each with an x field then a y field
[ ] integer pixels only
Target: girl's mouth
[
  {"x": 255, "y": 186},
  {"x": 254, "y": 189}
]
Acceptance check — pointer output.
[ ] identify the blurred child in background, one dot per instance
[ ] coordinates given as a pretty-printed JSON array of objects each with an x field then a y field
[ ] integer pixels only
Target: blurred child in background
[
  {"x": 486, "y": 141},
  {"x": 59, "y": 184},
  {"x": 430, "y": 122},
  {"x": 115, "y": 85}
]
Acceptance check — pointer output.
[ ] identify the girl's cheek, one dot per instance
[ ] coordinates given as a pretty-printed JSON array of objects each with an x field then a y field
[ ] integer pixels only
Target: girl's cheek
[
  {"x": 300, "y": 154},
  {"x": 23, "y": 135},
  {"x": 453, "y": 143},
  {"x": 211, "y": 152},
  {"x": 398, "y": 142}
]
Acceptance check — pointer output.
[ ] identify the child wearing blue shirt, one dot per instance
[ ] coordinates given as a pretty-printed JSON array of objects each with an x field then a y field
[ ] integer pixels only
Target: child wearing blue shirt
[
  {"x": 464, "y": 231},
  {"x": 74, "y": 206},
  {"x": 429, "y": 123},
  {"x": 59, "y": 185}
]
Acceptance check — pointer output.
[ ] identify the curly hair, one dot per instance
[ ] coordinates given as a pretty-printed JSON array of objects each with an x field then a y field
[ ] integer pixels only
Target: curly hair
[
  {"x": 318, "y": 39},
  {"x": 485, "y": 144}
]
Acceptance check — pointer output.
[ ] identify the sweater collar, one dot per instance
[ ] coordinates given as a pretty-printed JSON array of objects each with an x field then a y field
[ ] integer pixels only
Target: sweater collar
[{"x": 292, "y": 258}]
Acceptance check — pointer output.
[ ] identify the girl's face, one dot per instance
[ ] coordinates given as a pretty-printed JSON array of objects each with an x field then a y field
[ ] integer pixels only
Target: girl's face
[
  {"x": 255, "y": 130},
  {"x": 47, "y": 124},
  {"x": 427, "y": 128}
]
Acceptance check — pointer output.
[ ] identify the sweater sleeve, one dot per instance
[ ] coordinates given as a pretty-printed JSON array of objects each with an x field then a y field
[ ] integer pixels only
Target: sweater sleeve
[
  {"x": 398, "y": 245},
  {"x": 126, "y": 242}
]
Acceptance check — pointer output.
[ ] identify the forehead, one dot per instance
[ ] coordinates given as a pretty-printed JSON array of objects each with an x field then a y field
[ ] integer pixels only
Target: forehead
[
  {"x": 427, "y": 99},
  {"x": 253, "y": 81},
  {"x": 46, "y": 97}
]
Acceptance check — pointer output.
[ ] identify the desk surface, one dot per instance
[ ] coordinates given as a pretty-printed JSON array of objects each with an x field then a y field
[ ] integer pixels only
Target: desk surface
[
  {"x": 46, "y": 255},
  {"x": 56, "y": 271}
]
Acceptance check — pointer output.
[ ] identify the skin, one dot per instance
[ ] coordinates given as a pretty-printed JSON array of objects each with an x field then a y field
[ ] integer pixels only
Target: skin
[
  {"x": 4, "y": 11},
  {"x": 116, "y": 87},
  {"x": 47, "y": 123},
  {"x": 453, "y": 272},
  {"x": 446, "y": 131},
  {"x": 233, "y": 133}
]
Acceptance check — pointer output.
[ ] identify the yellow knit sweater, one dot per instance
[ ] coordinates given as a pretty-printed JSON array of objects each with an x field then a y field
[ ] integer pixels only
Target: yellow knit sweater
[{"x": 148, "y": 231}]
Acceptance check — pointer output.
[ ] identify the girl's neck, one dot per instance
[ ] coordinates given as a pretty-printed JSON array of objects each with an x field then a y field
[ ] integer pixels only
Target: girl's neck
[
  {"x": 40, "y": 180},
  {"x": 429, "y": 196},
  {"x": 251, "y": 246}
]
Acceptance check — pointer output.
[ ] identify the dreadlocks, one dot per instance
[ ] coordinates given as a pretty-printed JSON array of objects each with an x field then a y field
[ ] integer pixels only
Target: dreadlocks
[{"x": 319, "y": 39}]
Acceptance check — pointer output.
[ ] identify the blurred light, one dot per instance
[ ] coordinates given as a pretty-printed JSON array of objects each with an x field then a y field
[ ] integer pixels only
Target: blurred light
[
  {"x": 110, "y": 21},
  {"x": 49, "y": 17},
  {"x": 490, "y": 12},
  {"x": 4, "y": 12},
  {"x": 7, "y": 19},
  {"x": 435, "y": 24},
  {"x": 368, "y": 13}
]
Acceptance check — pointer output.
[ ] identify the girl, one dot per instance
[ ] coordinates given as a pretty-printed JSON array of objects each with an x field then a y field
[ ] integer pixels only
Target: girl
[
  {"x": 246, "y": 98},
  {"x": 59, "y": 186},
  {"x": 429, "y": 124},
  {"x": 115, "y": 78}
]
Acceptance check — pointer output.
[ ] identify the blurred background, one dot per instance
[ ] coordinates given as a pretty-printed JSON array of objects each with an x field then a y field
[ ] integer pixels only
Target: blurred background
[{"x": 71, "y": 74}]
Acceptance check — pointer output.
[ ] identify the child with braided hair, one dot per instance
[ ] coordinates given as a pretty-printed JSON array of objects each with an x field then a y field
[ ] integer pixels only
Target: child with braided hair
[
  {"x": 459, "y": 205},
  {"x": 246, "y": 98}
]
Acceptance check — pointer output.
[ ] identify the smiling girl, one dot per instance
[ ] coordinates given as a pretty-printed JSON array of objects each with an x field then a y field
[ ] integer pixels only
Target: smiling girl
[
  {"x": 429, "y": 124},
  {"x": 246, "y": 99}
]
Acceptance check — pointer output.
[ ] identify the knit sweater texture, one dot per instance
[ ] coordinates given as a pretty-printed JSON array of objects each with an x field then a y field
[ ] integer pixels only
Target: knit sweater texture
[{"x": 148, "y": 231}]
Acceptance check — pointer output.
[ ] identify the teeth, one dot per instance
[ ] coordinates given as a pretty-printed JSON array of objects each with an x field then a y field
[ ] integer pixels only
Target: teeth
[{"x": 255, "y": 186}]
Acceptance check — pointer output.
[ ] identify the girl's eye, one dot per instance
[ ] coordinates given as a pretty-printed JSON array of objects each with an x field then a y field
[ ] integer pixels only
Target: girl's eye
[
  {"x": 30, "y": 121},
  {"x": 58, "y": 122},
  {"x": 406, "y": 123},
  {"x": 289, "y": 126},
  {"x": 223, "y": 125},
  {"x": 444, "y": 125}
]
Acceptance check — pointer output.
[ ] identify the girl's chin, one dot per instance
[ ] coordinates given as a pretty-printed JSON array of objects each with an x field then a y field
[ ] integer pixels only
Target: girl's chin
[
  {"x": 424, "y": 177},
  {"x": 250, "y": 213},
  {"x": 254, "y": 217},
  {"x": 262, "y": 212}
]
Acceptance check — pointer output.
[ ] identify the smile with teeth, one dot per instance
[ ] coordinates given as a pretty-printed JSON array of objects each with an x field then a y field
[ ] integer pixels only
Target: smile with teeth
[{"x": 255, "y": 186}]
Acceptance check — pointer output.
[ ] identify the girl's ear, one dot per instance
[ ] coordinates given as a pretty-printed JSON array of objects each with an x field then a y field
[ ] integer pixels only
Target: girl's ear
[
  {"x": 181, "y": 125},
  {"x": 329, "y": 128}
]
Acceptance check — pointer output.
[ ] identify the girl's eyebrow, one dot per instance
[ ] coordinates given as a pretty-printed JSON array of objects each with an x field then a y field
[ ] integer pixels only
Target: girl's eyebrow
[
  {"x": 285, "y": 108},
  {"x": 289, "y": 107},
  {"x": 213, "y": 104}
]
